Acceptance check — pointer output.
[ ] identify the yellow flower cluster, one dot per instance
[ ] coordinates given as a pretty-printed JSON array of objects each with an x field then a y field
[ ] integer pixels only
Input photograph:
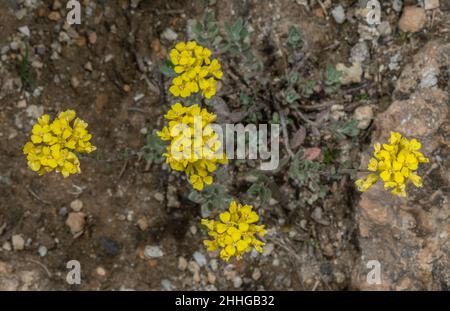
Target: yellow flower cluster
[
  {"x": 235, "y": 233},
  {"x": 194, "y": 145},
  {"x": 52, "y": 144},
  {"x": 195, "y": 70},
  {"x": 395, "y": 164}
]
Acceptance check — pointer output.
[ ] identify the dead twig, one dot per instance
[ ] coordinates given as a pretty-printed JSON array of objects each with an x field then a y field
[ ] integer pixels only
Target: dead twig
[
  {"x": 122, "y": 171},
  {"x": 324, "y": 9},
  {"x": 315, "y": 285},
  {"x": 34, "y": 195},
  {"x": 303, "y": 117},
  {"x": 42, "y": 266},
  {"x": 317, "y": 106},
  {"x": 283, "y": 127},
  {"x": 136, "y": 109}
]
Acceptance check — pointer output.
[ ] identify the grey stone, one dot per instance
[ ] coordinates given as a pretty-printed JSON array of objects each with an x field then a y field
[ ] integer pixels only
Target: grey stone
[
  {"x": 200, "y": 259},
  {"x": 169, "y": 34}
]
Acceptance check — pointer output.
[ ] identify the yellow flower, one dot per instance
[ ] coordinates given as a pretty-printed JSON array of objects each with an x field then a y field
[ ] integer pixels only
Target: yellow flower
[
  {"x": 202, "y": 54},
  {"x": 394, "y": 163},
  {"x": 235, "y": 232},
  {"x": 51, "y": 144},
  {"x": 194, "y": 146},
  {"x": 215, "y": 69},
  {"x": 193, "y": 65},
  {"x": 179, "y": 88},
  {"x": 208, "y": 87},
  {"x": 364, "y": 184}
]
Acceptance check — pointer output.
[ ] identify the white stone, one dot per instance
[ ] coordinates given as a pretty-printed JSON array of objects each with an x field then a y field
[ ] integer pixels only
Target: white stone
[
  {"x": 397, "y": 5},
  {"x": 429, "y": 78},
  {"x": 153, "y": 252},
  {"x": 18, "y": 242},
  {"x": 338, "y": 14},
  {"x": 25, "y": 30},
  {"x": 34, "y": 111},
  {"x": 76, "y": 205},
  {"x": 431, "y": 4},
  {"x": 169, "y": 34},
  {"x": 42, "y": 250},
  {"x": 364, "y": 115},
  {"x": 350, "y": 74},
  {"x": 237, "y": 282},
  {"x": 100, "y": 271}
]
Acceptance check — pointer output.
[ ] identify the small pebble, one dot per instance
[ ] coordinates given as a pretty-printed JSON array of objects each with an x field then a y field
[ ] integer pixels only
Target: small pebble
[
  {"x": 384, "y": 28},
  {"x": 268, "y": 249},
  {"x": 431, "y": 4},
  {"x": 76, "y": 205},
  {"x": 237, "y": 282},
  {"x": 182, "y": 263},
  {"x": 54, "y": 16},
  {"x": 7, "y": 246},
  {"x": 76, "y": 222},
  {"x": 211, "y": 277},
  {"x": 153, "y": 252},
  {"x": 256, "y": 275},
  {"x": 92, "y": 38},
  {"x": 397, "y": 5},
  {"x": 166, "y": 284},
  {"x": 22, "y": 104},
  {"x": 62, "y": 211},
  {"x": 413, "y": 19},
  {"x": 142, "y": 223},
  {"x": 42, "y": 250},
  {"x": 18, "y": 242},
  {"x": 100, "y": 271},
  {"x": 364, "y": 115},
  {"x": 338, "y": 14},
  {"x": 25, "y": 30},
  {"x": 214, "y": 264},
  {"x": 20, "y": 14},
  {"x": 169, "y": 34},
  {"x": 159, "y": 197},
  {"x": 200, "y": 259},
  {"x": 74, "y": 82}
]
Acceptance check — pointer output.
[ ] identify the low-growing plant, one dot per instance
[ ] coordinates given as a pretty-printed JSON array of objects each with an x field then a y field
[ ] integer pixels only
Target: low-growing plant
[
  {"x": 295, "y": 38},
  {"x": 207, "y": 30},
  {"x": 331, "y": 79},
  {"x": 344, "y": 129},
  {"x": 307, "y": 173},
  {"x": 260, "y": 188},
  {"x": 26, "y": 76},
  {"x": 212, "y": 198},
  {"x": 152, "y": 151}
]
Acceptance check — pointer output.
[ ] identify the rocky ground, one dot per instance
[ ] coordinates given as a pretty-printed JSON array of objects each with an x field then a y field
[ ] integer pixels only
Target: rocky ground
[{"x": 131, "y": 224}]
